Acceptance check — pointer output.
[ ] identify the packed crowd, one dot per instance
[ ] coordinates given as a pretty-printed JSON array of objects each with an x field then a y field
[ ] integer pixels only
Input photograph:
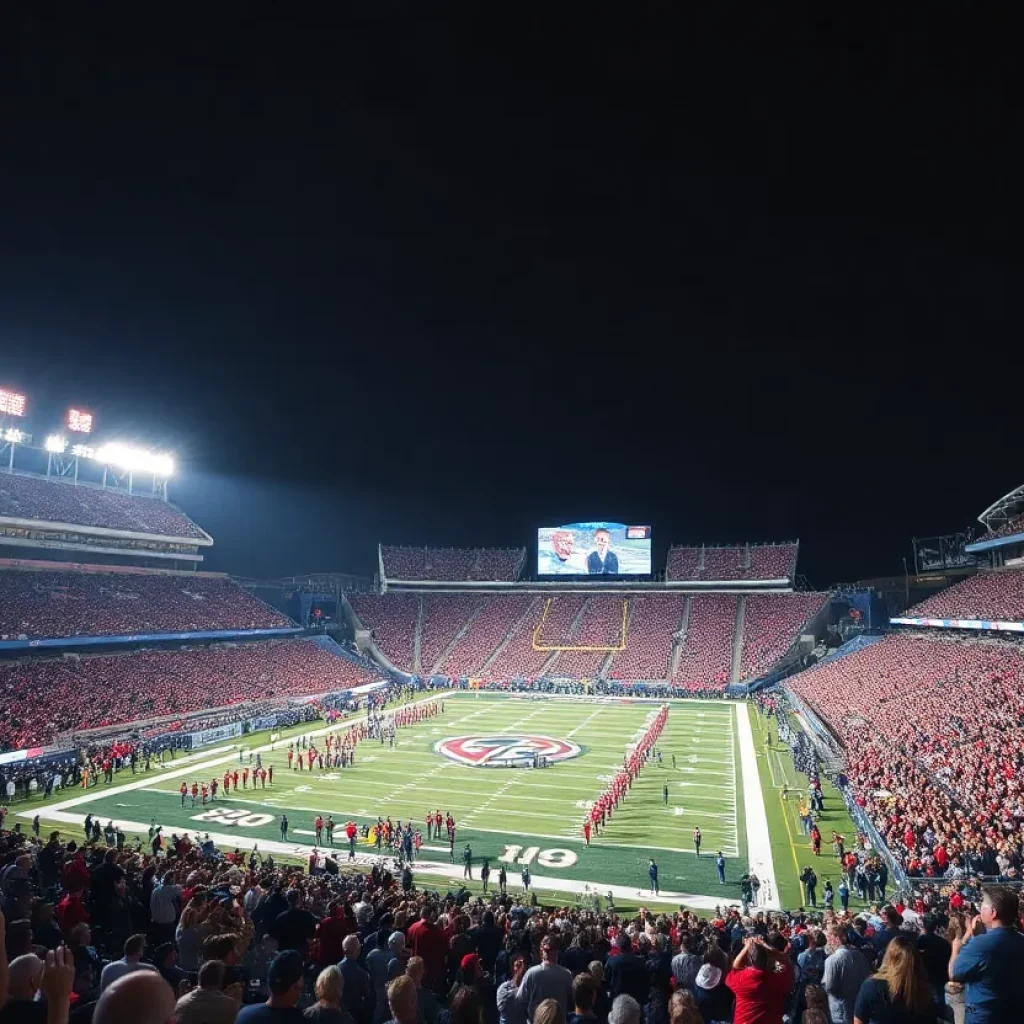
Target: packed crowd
[
  {"x": 114, "y": 936},
  {"x": 934, "y": 735},
  {"x": 739, "y": 562},
  {"x": 53, "y": 500},
  {"x": 38, "y": 603},
  {"x": 771, "y": 623},
  {"x": 453, "y": 565},
  {"x": 996, "y": 595},
  {"x": 44, "y": 698},
  {"x": 686, "y": 639}
]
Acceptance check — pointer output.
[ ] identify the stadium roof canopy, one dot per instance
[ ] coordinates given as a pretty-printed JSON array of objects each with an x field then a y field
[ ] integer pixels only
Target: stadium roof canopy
[{"x": 1004, "y": 520}]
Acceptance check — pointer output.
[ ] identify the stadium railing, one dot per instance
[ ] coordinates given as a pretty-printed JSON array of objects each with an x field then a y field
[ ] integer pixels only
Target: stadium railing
[{"x": 831, "y": 750}]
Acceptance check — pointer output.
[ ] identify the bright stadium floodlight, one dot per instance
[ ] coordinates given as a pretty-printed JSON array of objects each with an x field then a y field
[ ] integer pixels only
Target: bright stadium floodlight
[
  {"x": 134, "y": 459},
  {"x": 14, "y": 436},
  {"x": 83, "y": 451},
  {"x": 12, "y": 403},
  {"x": 80, "y": 421},
  {"x": 56, "y": 444}
]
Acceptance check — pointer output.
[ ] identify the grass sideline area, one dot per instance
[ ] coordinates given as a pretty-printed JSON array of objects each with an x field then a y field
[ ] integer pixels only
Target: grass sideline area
[
  {"x": 510, "y": 814},
  {"x": 791, "y": 849}
]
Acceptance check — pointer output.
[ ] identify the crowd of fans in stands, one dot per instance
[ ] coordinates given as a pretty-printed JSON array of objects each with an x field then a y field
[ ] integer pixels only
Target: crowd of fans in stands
[
  {"x": 38, "y": 603},
  {"x": 453, "y": 564},
  {"x": 995, "y": 596},
  {"x": 739, "y": 562},
  {"x": 934, "y": 734},
  {"x": 112, "y": 935},
  {"x": 52, "y": 500},
  {"x": 44, "y": 698},
  {"x": 519, "y": 636}
]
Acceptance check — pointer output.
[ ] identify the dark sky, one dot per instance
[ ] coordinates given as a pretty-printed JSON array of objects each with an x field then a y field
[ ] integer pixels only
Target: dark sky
[{"x": 417, "y": 278}]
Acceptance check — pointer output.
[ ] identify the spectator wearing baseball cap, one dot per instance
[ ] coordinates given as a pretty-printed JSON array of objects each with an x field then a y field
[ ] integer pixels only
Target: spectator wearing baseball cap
[{"x": 285, "y": 983}]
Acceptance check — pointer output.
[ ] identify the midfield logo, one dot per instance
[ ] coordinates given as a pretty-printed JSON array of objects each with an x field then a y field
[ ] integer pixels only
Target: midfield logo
[{"x": 497, "y": 751}]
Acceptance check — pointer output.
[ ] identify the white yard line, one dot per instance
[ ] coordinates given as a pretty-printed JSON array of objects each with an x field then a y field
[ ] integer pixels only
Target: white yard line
[
  {"x": 759, "y": 845},
  {"x": 99, "y": 793},
  {"x": 584, "y": 723},
  {"x": 515, "y": 725}
]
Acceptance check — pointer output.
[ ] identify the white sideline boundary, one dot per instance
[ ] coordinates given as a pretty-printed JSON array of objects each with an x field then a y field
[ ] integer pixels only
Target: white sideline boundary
[
  {"x": 190, "y": 768},
  {"x": 452, "y": 872},
  {"x": 759, "y": 843}
]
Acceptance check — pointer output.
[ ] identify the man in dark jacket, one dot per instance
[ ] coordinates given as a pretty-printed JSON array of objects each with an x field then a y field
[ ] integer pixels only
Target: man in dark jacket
[
  {"x": 626, "y": 973},
  {"x": 295, "y": 927},
  {"x": 356, "y": 996}
]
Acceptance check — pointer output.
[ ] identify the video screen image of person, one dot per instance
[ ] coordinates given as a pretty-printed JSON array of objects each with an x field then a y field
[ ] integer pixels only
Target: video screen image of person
[{"x": 602, "y": 561}]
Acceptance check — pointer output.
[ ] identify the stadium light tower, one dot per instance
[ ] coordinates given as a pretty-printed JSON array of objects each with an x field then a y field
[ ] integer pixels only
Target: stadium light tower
[
  {"x": 135, "y": 460},
  {"x": 121, "y": 462},
  {"x": 12, "y": 403},
  {"x": 56, "y": 444},
  {"x": 79, "y": 421}
]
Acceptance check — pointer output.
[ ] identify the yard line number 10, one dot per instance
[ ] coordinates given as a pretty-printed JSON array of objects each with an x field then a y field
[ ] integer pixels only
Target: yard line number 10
[{"x": 545, "y": 858}]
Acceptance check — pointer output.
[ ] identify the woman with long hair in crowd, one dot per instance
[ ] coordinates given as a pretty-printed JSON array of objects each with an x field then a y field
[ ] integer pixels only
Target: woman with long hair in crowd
[
  {"x": 682, "y": 1008},
  {"x": 899, "y": 993}
]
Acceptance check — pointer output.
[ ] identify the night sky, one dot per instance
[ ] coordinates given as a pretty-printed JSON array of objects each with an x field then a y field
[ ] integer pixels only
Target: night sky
[{"x": 418, "y": 279}]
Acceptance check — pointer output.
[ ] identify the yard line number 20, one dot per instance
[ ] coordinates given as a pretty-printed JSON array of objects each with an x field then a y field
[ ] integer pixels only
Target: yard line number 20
[{"x": 229, "y": 816}]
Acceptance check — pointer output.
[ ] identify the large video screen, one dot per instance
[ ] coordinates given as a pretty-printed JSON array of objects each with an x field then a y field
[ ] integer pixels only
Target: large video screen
[{"x": 594, "y": 549}]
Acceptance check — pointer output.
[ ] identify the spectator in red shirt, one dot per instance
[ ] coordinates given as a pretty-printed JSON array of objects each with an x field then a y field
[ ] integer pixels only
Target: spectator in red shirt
[
  {"x": 426, "y": 940},
  {"x": 71, "y": 911},
  {"x": 761, "y": 979},
  {"x": 332, "y": 930},
  {"x": 76, "y": 874}
]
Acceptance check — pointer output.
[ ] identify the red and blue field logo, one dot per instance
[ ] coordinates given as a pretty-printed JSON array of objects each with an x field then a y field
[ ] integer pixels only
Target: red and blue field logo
[{"x": 499, "y": 751}]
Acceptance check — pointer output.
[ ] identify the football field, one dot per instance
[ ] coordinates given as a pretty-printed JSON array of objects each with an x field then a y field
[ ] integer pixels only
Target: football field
[{"x": 513, "y": 815}]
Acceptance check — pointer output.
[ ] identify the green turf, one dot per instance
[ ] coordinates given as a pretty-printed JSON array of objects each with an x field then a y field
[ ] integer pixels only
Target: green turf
[
  {"x": 541, "y": 812},
  {"x": 791, "y": 850},
  {"x": 496, "y": 808}
]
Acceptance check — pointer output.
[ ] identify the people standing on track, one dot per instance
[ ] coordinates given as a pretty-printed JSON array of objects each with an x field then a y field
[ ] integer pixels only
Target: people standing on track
[
  {"x": 284, "y": 827},
  {"x": 697, "y": 840},
  {"x": 720, "y": 867},
  {"x": 652, "y": 871}
]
